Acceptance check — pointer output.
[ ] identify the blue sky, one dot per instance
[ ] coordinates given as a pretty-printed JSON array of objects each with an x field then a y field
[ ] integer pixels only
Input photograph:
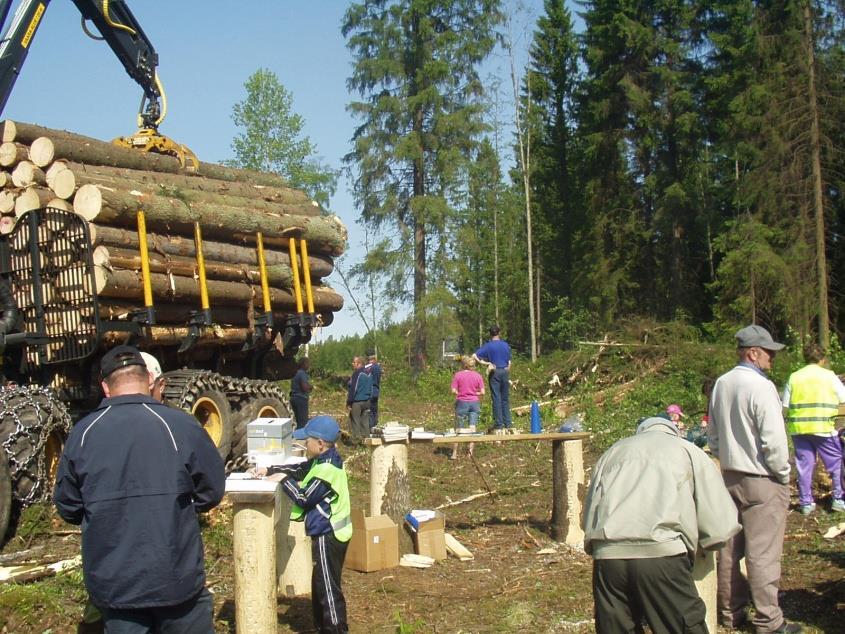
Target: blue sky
[{"x": 207, "y": 49}]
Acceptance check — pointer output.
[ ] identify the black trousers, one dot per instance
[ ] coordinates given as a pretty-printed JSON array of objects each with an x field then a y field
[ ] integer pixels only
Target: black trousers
[
  {"x": 374, "y": 411},
  {"x": 300, "y": 410},
  {"x": 327, "y": 602},
  {"x": 191, "y": 617},
  {"x": 659, "y": 590}
]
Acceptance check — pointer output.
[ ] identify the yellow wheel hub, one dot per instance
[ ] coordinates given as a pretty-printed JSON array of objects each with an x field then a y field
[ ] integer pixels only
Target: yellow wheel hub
[
  {"x": 52, "y": 452},
  {"x": 268, "y": 411},
  {"x": 208, "y": 414}
]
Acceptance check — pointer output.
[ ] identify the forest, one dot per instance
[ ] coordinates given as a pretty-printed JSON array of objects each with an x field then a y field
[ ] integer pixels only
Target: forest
[{"x": 677, "y": 160}]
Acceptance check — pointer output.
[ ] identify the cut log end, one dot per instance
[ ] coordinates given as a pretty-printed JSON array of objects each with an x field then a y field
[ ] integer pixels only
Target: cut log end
[
  {"x": 88, "y": 201},
  {"x": 42, "y": 152}
]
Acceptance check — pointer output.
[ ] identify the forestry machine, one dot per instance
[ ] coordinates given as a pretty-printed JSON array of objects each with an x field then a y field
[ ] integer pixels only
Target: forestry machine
[
  {"x": 121, "y": 31},
  {"x": 52, "y": 334}
]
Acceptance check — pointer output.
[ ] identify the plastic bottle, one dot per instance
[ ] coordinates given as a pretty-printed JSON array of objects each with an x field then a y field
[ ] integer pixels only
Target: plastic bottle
[{"x": 536, "y": 423}]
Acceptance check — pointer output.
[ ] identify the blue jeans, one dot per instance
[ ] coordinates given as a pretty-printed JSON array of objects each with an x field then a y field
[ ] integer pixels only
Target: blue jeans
[
  {"x": 466, "y": 411},
  {"x": 500, "y": 394}
]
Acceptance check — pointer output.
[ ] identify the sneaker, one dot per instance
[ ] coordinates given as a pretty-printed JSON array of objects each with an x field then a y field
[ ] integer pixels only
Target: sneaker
[
  {"x": 789, "y": 628},
  {"x": 806, "y": 509},
  {"x": 838, "y": 505}
]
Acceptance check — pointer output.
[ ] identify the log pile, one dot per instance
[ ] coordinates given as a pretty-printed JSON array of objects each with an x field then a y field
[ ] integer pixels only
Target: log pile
[{"x": 107, "y": 185}]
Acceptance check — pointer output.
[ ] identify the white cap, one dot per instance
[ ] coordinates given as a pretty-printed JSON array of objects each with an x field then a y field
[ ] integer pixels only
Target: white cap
[{"x": 153, "y": 366}]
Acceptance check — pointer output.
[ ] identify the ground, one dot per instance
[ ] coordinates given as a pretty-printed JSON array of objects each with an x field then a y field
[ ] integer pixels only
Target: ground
[{"x": 509, "y": 587}]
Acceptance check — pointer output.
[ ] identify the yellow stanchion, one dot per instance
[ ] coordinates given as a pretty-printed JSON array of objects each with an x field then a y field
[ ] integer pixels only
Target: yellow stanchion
[{"x": 294, "y": 265}]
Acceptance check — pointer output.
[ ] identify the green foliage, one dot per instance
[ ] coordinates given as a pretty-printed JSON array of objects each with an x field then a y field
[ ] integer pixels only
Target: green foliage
[
  {"x": 29, "y": 602},
  {"x": 272, "y": 138},
  {"x": 404, "y": 627},
  {"x": 568, "y": 323}
]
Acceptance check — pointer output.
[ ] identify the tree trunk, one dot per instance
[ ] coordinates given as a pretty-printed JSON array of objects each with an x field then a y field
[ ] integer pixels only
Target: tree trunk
[
  {"x": 42, "y": 151},
  {"x": 181, "y": 182},
  {"x": 178, "y": 314},
  {"x": 192, "y": 196},
  {"x": 174, "y": 335},
  {"x": 277, "y": 275},
  {"x": 32, "y": 198},
  {"x": 12, "y": 153},
  {"x": 125, "y": 284},
  {"x": 818, "y": 196},
  {"x": 76, "y": 147},
  {"x": 525, "y": 164},
  {"x": 26, "y": 174},
  {"x": 82, "y": 149},
  {"x": 106, "y": 206},
  {"x": 319, "y": 265}
]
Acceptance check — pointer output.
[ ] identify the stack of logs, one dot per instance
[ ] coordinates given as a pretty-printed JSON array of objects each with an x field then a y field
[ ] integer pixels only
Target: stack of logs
[{"x": 107, "y": 186}]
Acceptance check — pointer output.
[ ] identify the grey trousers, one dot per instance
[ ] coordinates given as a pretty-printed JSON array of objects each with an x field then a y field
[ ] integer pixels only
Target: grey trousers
[
  {"x": 762, "y": 503},
  {"x": 359, "y": 419}
]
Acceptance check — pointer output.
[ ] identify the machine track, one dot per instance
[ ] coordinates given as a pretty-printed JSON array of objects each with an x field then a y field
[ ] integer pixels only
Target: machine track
[{"x": 200, "y": 392}]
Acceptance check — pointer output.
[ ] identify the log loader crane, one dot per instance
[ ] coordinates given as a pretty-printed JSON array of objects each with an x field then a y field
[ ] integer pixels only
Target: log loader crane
[
  {"x": 121, "y": 31},
  {"x": 52, "y": 334}
]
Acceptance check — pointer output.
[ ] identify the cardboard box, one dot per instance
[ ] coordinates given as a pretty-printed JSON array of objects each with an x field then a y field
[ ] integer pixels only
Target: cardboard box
[
  {"x": 374, "y": 544},
  {"x": 430, "y": 537}
]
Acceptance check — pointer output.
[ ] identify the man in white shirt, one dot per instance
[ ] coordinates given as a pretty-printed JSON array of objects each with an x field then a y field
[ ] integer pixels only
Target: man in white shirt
[{"x": 747, "y": 435}]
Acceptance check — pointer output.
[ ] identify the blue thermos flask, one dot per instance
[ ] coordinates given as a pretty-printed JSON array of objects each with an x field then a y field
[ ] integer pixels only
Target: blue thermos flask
[{"x": 536, "y": 423}]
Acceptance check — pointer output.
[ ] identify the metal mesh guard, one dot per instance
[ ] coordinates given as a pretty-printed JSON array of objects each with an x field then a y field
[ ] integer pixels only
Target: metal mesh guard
[{"x": 54, "y": 246}]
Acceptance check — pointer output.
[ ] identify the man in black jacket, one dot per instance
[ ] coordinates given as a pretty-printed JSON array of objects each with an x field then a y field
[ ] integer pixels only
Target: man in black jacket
[{"x": 134, "y": 474}]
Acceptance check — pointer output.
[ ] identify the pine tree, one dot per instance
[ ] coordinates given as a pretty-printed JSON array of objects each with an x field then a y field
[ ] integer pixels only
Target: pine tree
[{"x": 416, "y": 70}]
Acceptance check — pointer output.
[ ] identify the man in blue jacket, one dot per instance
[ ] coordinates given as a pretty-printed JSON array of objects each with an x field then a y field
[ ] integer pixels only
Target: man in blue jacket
[
  {"x": 496, "y": 354},
  {"x": 358, "y": 395},
  {"x": 134, "y": 474}
]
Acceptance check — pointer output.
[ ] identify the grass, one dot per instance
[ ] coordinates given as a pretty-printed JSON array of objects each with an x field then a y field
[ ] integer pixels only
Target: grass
[{"x": 35, "y": 604}]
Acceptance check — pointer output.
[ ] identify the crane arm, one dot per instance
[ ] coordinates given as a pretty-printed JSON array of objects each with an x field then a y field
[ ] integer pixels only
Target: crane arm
[
  {"x": 130, "y": 44},
  {"x": 119, "y": 29},
  {"x": 127, "y": 39}
]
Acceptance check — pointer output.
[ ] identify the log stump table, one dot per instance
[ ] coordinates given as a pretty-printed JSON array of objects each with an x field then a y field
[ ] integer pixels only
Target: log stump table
[{"x": 568, "y": 482}]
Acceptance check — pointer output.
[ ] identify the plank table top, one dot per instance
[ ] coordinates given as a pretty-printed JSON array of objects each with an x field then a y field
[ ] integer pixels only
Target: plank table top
[{"x": 465, "y": 438}]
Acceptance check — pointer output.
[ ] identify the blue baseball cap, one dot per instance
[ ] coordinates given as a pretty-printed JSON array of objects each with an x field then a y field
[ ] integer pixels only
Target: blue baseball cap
[{"x": 321, "y": 427}]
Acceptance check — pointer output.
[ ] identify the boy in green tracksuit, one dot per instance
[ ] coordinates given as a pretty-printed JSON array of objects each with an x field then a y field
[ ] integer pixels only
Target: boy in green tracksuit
[{"x": 320, "y": 495}]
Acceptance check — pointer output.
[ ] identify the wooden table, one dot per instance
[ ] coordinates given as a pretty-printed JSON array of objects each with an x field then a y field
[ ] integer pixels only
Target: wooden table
[{"x": 568, "y": 482}]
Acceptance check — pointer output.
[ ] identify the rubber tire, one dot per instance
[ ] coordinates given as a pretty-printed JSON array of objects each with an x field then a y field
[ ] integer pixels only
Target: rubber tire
[
  {"x": 220, "y": 402},
  {"x": 5, "y": 499},
  {"x": 248, "y": 413}
]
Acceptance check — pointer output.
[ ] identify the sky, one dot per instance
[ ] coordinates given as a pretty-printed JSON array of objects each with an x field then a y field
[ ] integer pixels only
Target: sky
[{"x": 207, "y": 49}]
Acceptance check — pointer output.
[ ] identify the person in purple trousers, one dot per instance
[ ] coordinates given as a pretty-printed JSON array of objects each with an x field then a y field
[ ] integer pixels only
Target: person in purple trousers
[{"x": 811, "y": 398}]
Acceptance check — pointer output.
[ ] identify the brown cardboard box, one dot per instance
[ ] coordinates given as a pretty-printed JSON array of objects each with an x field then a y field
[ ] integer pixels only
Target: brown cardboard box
[
  {"x": 430, "y": 537},
  {"x": 374, "y": 544}
]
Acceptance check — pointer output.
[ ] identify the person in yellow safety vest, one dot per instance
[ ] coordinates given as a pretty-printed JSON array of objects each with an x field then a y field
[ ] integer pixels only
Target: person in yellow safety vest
[
  {"x": 812, "y": 397},
  {"x": 319, "y": 491}
]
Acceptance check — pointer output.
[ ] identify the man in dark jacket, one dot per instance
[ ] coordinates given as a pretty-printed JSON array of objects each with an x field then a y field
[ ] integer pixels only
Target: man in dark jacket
[
  {"x": 358, "y": 399},
  {"x": 134, "y": 474},
  {"x": 374, "y": 369}
]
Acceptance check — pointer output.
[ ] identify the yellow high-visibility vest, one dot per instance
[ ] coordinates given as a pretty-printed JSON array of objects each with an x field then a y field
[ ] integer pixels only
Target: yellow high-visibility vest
[
  {"x": 340, "y": 519},
  {"x": 813, "y": 401}
]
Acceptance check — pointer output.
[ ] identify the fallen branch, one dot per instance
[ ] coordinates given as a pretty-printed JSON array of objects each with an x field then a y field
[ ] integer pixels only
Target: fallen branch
[
  {"x": 21, "y": 555},
  {"x": 21, "y": 574},
  {"x": 468, "y": 499},
  {"x": 531, "y": 537}
]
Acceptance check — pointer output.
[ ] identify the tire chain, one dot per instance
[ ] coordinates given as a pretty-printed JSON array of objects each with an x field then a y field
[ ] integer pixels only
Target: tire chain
[
  {"x": 184, "y": 386},
  {"x": 50, "y": 417}
]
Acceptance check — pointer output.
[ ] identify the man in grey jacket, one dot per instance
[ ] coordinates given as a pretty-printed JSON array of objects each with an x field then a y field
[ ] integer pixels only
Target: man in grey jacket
[
  {"x": 654, "y": 499},
  {"x": 747, "y": 435}
]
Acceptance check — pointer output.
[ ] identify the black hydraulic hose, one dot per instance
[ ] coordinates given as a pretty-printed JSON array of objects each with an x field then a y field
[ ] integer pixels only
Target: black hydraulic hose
[{"x": 8, "y": 307}]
